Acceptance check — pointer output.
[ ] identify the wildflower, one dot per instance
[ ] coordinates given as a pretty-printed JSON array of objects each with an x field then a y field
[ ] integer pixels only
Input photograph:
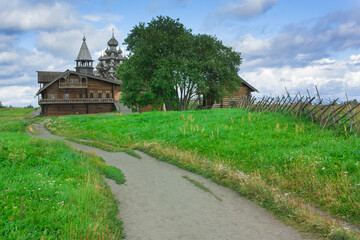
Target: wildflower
[
  {"x": 323, "y": 168},
  {"x": 39, "y": 188}
]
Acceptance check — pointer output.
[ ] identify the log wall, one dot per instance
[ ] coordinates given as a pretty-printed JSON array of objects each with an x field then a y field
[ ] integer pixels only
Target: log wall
[
  {"x": 242, "y": 91},
  {"x": 93, "y": 86}
]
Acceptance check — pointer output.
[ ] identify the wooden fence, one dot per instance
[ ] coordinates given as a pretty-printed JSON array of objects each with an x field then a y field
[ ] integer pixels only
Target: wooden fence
[{"x": 341, "y": 116}]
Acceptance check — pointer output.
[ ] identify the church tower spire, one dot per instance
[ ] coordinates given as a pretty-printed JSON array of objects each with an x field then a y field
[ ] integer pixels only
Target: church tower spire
[{"x": 84, "y": 62}]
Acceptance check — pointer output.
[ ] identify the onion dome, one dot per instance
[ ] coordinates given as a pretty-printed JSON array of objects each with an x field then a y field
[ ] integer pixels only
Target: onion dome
[{"x": 113, "y": 42}]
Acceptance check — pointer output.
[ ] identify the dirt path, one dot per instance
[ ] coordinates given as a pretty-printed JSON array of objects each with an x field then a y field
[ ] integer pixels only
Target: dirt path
[{"x": 158, "y": 203}]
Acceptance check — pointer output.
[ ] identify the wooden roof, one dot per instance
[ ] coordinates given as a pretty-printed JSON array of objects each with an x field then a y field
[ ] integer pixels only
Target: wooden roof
[
  {"x": 46, "y": 77},
  {"x": 252, "y": 89},
  {"x": 68, "y": 72},
  {"x": 84, "y": 53}
]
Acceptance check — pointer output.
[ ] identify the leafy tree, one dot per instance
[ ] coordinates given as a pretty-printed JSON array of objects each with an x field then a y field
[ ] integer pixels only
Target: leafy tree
[
  {"x": 1, "y": 106},
  {"x": 168, "y": 64}
]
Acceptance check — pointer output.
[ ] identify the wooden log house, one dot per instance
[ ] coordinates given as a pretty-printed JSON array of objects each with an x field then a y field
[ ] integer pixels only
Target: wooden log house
[{"x": 78, "y": 92}]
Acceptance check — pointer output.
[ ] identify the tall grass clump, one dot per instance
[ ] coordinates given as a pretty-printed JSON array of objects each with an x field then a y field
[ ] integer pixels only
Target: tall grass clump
[{"x": 293, "y": 155}]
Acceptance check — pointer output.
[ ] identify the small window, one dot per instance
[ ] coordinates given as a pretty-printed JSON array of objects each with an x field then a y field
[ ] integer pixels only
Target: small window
[
  {"x": 74, "y": 80},
  {"x": 108, "y": 95},
  {"x": 52, "y": 95},
  {"x": 70, "y": 80},
  {"x": 100, "y": 95},
  {"x": 66, "y": 96},
  {"x": 91, "y": 95},
  {"x": 80, "y": 95}
]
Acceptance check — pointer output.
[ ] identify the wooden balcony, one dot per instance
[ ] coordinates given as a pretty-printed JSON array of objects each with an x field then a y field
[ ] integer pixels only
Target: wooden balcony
[
  {"x": 76, "y": 100},
  {"x": 67, "y": 85}
]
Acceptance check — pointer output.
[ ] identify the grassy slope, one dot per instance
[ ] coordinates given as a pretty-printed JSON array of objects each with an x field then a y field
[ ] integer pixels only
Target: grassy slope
[
  {"x": 12, "y": 119},
  {"x": 47, "y": 190},
  {"x": 294, "y": 155}
]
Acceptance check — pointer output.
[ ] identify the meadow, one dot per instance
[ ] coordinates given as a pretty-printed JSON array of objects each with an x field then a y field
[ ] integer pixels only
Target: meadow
[
  {"x": 50, "y": 191},
  {"x": 293, "y": 156}
]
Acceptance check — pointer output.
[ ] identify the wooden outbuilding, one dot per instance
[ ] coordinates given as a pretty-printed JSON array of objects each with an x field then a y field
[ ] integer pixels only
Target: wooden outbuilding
[{"x": 241, "y": 93}]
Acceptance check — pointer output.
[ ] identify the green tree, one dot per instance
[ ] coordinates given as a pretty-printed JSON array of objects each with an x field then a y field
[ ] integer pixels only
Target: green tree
[{"x": 168, "y": 64}]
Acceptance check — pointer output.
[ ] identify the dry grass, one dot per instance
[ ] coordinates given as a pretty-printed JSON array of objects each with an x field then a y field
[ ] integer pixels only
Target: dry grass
[{"x": 293, "y": 210}]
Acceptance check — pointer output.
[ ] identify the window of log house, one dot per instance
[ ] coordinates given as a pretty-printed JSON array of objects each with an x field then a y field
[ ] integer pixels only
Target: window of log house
[
  {"x": 91, "y": 95},
  {"x": 80, "y": 95},
  {"x": 52, "y": 95},
  {"x": 66, "y": 96},
  {"x": 108, "y": 95},
  {"x": 100, "y": 95}
]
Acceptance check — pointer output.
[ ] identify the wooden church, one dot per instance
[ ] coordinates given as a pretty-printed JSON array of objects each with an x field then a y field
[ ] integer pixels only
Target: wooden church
[{"x": 83, "y": 91}]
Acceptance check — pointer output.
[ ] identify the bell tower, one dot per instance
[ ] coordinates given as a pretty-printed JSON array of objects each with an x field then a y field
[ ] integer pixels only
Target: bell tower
[{"x": 84, "y": 62}]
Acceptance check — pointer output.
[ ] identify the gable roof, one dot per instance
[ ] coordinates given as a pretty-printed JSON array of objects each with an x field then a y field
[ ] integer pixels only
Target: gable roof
[
  {"x": 46, "y": 76},
  {"x": 68, "y": 72},
  {"x": 249, "y": 86}
]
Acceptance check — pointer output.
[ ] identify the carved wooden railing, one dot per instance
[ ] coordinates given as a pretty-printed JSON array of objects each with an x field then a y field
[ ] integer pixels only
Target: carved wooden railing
[
  {"x": 76, "y": 100},
  {"x": 78, "y": 85}
]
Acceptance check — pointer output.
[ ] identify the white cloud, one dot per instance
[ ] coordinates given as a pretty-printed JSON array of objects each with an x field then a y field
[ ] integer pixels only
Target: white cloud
[
  {"x": 333, "y": 78},
  {"x": 103, "y": 17},
  {"x": 245, "y": 9},
  {"x": 18, "y": 67},
  {"x": 5, "y": 40},
  {"x": 300, "y": 45},
  {"x": 19, "y": 15},
  {"x": 10, "y": 96},
  {"x": 66, "y": 43}
]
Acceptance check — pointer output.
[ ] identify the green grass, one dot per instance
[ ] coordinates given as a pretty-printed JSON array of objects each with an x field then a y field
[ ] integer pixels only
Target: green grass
[
  {"x": 14, "y": 119},
  {"x": 113, "y": 173},
  {"x": 295, "y": 156},
  {"x": 50, "y": 191},
  {"x": 16, "y": 112}
]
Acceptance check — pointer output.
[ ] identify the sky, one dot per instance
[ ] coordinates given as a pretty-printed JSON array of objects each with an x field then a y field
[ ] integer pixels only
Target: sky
[{"x": 283, "y": 43}]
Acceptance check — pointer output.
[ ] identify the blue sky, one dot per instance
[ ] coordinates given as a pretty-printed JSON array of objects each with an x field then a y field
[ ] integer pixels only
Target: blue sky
[{"x": 297, "y": 44}]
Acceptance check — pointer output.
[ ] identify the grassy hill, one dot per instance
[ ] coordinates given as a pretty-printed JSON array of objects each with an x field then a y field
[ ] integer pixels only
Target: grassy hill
[
  {"x": 48, "y": 190},
  {"x": 276, "y": 159}
]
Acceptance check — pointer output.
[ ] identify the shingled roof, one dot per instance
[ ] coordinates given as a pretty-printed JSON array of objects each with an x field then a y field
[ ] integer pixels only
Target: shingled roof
[
  {"x": 84, "y": 53},
  {"x": 46, "y": 77},
  {"x": 68, "y": 72}
]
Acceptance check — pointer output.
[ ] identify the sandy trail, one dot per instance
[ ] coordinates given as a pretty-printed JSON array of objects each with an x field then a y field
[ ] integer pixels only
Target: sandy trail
[{"x": 158, "y": 203}]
